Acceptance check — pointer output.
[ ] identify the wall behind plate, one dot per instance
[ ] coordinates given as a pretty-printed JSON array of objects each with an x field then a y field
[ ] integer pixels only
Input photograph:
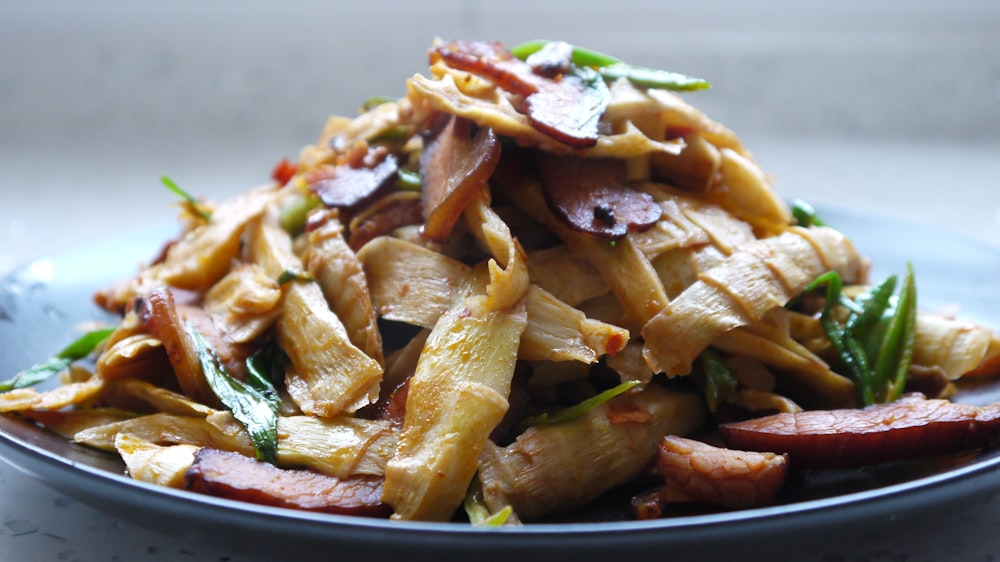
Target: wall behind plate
[
  {"x": 181, "y": 69},
  {"x": 99, "y": 98}
]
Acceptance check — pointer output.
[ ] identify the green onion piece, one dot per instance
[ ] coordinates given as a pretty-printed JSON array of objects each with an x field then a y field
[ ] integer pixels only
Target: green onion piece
[
  {"x": 474, "y": 505},
  {"x": 853, "y": 307},
  {"x": 824, "y": 279},
  {"x": 653, "y": 78},
  {"x": 581, "y": 55},
  {"x": 876, "y": 350},
  {"x": 578, "y": 410},
  {"x": 896, "y": 353},
  {"x": 250, "y": 407},
  {"x": 872, "y": 306},
  {"x": 394, "y": 134},
  {"x": 848, "y": 349},
  {"x": 193, "y": 204},
  {"x": 860, "y": 367},
  {"x": 479, "y": 514},
  {"x": 612, "y": 68},
  {"x": 289, "y": 275},
  {"x": 262, "y": 368},
  {"x": 293, "y": 216},
  {"x": 524, "y": 50},
  {"x": 595, "y": 59},
  {"x": 499, "y": 518},
  {"x": 720, "y": 384},
  {"x": 78, "y": 349},
  {"x": 35, "y": 374},
  {"x": 375, "y": 101},
  {"x": 805, "y": 214},
  {"x": 409, "y": 180}
]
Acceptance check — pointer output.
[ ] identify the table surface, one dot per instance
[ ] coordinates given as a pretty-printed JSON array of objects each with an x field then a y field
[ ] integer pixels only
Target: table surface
[{"x": 101, "y": 101}]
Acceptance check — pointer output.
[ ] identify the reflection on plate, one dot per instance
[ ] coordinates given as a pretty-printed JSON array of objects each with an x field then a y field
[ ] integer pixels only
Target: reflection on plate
[{"x": 42, "y": 302}]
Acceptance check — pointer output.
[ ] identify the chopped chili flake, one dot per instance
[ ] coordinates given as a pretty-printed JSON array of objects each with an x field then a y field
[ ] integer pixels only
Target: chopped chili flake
[
  {"x": 283, "y": 172},
  {"x": 615, "y": 344},
  {"x": 622, "y": 413}
]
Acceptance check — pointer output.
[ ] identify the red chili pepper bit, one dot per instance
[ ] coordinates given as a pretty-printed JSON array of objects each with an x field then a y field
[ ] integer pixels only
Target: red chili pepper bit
[
  {"x": 615, "y": 344},
  {"x": 283, "y": 171}
]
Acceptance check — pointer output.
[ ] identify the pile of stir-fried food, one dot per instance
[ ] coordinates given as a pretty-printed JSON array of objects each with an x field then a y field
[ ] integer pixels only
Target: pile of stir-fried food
[{"x": 539, "y": 276}]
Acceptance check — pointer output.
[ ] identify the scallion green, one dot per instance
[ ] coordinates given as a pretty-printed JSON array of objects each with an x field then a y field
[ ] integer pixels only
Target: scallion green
[
  {"x": 896, "y": 353},
  {"x": 805, "y": 214},
  {"x": 373, "y": 102},
  {"x": 875, "y": 341},
  {"x": 289, "y": 275},
  {"x": 294, "y": 215},
  {"x": 75, "y": 351},
  {"x": 612, "y": 68},
  {"x": 720, "y": 384},
  {"x": 477, "y": 511},
  {"x": 257, "y": 412},
  {"x": 196, "y": 207},
  {"x": 409, "y": 180},
  {"x": 579, "y": 410}
]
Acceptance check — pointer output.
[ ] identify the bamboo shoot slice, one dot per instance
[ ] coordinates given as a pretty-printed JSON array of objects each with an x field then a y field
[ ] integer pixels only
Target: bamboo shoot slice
[
  {"x": 156, "y": 464},
  {"x": 726, "y": 296},
  {"x": 202, "y": 257},
  {"x": 559, "y": 332},
  {"x": 417, "y": 294},
  {"x": 455, "y": 399},
  {"x": 339, "y": 272},
  {"x": 953, "y": 346},
  {"x": 557, "y": 467},
  {"x": 329, "y": 374}
]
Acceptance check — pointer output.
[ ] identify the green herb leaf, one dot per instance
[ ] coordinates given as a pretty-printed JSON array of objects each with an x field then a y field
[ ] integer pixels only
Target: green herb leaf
[
  {"x": 293, "y": 216},
  {"x": 805, "y": 214},
  {"x": 263, "y": 367},
  {"x": 875, "y": 342},
  {"x": 375, "y": 101},
  {"x": 720, "y": 384},
  {"x": 78, "y": 349},
  {"x": 611, "y": 68},
  {"x": 860, "y": 367},
  {"x": 289, "y": 275},
  {"x": 409, "y": 180},
  {"x": 479, "y": 514},
  {"x": 583, "y": 56},
  {"x": 653, "y": 78},
  {"x": 395, "y": 134},
  {"x": 35, "y": 374},
  {"x": 896, "y": 353},
  {"x": 849, "y": 350},
  {"x": 193, "y": 204},
  {"x": 872, "y": 306},
  {"x": 499, "y": 518},
  {"x": 524, "y": 50},
  {"x": 85, "y": 344},
  {"x": 257, "y": 412},
  {"x": 578, "y": 410}
]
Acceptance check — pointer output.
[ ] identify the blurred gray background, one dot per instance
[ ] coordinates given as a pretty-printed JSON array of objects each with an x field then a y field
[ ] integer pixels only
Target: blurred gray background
[
  {"x": 884, "y": 105},
  {"x": 890, "y": 107}
]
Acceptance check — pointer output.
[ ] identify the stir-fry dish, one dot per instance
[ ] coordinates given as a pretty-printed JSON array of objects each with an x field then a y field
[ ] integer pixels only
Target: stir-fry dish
[{"x": 539, "y": 277}]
